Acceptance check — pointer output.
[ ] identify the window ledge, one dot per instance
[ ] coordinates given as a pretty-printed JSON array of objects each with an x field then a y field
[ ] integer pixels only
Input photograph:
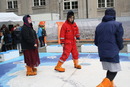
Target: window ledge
[
  {"x": 38, "y": 7},
  {"x": 103, "y": 9},
  {"x": 74, "y": 10},
  {"x": 12, "y": 10}
]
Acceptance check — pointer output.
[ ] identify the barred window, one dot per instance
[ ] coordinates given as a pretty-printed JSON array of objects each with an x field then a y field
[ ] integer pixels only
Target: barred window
[
  {"x": 75, "y": 5},
  {"x": 105, "y": 3},
  {"x": 39, "y": 2},
  {"x": 43, "y": 2},
  {"x": 12, "y": 4},
  {"x": 15, "y": 4},
  {"x": 110, "y": 3},
  {"x": 70, "y": 4},
  {"x": 66, "y": 5},
  {"x": 36, "y": 2}
]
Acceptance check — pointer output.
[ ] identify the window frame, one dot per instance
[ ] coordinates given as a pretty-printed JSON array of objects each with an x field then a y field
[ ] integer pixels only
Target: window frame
[
  {"x": 39, "y": 3},
  {"x": 13, "y": 5},
  {"x": 70, "y": 1},
  {"x": 106, "y": 6}
]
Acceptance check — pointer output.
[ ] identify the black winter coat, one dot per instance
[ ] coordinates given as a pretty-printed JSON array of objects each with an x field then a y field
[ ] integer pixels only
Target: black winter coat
[
  {"x": 28, "y": 37},
  {"x": 16, "y": 36}
]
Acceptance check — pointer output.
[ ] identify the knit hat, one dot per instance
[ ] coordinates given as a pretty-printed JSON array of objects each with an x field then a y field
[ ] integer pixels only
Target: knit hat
[
  {"x": 70, "y": 13},
  {"x": 42, "y": 23},
  {"x": 110, "y": 12}
]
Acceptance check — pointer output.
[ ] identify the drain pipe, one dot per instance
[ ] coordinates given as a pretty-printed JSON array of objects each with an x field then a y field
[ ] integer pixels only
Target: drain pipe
[{"x": 87, "y": 8}]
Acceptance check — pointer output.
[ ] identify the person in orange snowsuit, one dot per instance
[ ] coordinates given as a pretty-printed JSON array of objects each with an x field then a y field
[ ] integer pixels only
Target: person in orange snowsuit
[{"x": 68, "y": 33}]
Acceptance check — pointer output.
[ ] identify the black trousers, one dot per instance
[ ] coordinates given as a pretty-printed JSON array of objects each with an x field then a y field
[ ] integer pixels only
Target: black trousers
[
  {"x": 42, "y": 42},
  {"x": 111, "y": 75}
]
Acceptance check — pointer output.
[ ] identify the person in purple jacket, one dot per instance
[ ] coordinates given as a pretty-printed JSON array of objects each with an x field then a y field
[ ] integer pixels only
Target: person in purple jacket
[{"x": 109, "y": 40}]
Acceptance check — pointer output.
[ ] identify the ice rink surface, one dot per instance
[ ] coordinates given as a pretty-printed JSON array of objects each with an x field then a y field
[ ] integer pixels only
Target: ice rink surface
[{"x": 13, "y": 72}]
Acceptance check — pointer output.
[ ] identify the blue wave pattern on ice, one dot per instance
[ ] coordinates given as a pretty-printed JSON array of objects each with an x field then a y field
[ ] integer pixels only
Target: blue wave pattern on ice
[{"x": 47, "y": 59}]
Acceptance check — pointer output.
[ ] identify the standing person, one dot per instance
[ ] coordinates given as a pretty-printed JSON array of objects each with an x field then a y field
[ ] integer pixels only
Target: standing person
[
  {"x": 68, "y": 33},
  {"x": 108, "y": 38},
  {"x": 41, "y": 33},
  {"x": 16, "y": 36},
  {"x": 44, "y": 35},
  {"x": 29, "y": 46},
  {"x": 2, "y": 30},
  {"x": 18, "y": 27},
  {"x": 7, "y": 39},
  {"x": 1, "y": 34}
]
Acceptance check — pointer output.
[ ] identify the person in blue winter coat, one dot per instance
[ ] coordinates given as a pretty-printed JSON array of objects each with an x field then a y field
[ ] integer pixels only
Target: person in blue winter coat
[
  {"x": 41, "y": 33},
  {"x": 109, "y": 39}
]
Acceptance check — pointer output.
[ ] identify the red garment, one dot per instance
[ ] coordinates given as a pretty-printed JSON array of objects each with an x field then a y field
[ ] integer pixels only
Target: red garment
[
  {"x": 67, "y": 36},
  {"x": 31, "y": 57},
  {"x": 12, "y": 29},
  {"x": 69, "y": 32}
]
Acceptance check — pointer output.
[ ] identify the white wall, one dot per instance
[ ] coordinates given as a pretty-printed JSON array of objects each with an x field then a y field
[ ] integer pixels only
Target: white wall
[{"x": 45, "y": 17}]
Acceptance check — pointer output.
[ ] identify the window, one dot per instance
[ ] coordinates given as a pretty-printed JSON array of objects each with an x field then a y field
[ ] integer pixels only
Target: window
[
  {"x": 43, "y": 2},
  {"x": 67, "y": 5},
  {"x": 12, "y": 4},
  {"x": 105, "y": 3},
  {"x": 36, "y": 2},
  {"x": 110, "y": 3},
  {"x": 39, "y": 2},
  {"x": 70, "y": 4},
  {"x": 74, "y": 5},
  {"x": 15, "y": 4}
]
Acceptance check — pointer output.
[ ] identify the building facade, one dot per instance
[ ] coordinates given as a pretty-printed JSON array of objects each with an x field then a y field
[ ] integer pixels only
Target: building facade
[{"x": 81, "y": 8}]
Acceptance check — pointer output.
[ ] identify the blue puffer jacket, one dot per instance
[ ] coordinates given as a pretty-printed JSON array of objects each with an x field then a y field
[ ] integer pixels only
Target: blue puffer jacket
[
  {"x": 39, "y": 33},
  {"x": 108, "y": 38}
]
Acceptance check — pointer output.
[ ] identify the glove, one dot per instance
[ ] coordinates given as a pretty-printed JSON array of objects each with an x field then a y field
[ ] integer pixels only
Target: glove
[{"x": 78, "y": 38}]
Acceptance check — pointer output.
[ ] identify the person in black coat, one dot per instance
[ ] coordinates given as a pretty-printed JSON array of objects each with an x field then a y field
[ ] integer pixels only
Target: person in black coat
[
  {"x": 29, "y": 44},
  {"x": 7, "y": 40},
  {"x": 16, "y": 36},
  {"x": 109, "y": 39}
]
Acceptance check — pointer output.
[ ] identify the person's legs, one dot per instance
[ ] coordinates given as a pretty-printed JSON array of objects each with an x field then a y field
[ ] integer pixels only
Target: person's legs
[
  {"x": 29, "y": 67},
  {"x": 111, "y": 75},
  {"x": 74, "y": 51},
  {"x": 9, "y": 46},
  {"x": 0, "y": 39},
  {"x": 14, "y": 46},
  {"x": 19, "y": 47},
  {"x": 41, "y": 41},
  {"x": 66, "y": 52},
  {"x": 108, "y": 81},
  {"x": 75, "y": 56}
]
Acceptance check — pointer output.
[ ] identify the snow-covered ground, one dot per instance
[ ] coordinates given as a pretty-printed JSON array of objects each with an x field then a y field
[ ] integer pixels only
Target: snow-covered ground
[{"x": 90, "y": 75}]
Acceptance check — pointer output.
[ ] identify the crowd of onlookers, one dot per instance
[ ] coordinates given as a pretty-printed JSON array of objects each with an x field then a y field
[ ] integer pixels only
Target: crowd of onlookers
[{"x": 10, "y": 38}]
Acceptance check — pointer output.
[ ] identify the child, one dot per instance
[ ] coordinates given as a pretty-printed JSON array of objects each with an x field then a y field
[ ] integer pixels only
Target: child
[{"x": 68, "y": 33}]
